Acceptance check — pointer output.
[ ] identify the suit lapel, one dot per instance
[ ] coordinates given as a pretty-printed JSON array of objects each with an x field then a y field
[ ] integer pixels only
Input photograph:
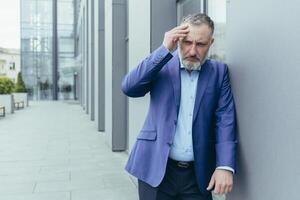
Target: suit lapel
[
  {"x": 201, "y": 86},
  {"x": 174, "y": 70}
]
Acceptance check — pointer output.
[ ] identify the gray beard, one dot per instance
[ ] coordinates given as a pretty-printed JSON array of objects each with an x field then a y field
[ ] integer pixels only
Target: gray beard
[
  {"x": 191, "y": 66},
  {"x": 187, "y": 65}
]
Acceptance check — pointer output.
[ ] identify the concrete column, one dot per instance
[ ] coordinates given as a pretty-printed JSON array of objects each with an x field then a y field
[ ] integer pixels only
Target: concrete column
[
  {"x": 87, "y": 68},
  {"x": 119, "y": 69},
  {"x": 91, "y": 66},
  {"x": 99, "y": 65},
  {"x": 54, "y": 52}
]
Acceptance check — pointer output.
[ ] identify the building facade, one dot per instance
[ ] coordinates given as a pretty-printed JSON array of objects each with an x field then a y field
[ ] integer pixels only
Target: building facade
[
  {"x": 257, "y": 39},
  {"x": 47, "y": 48},
  {"x": 111, "y": 37},
  {"x": 10, "y": 63}
]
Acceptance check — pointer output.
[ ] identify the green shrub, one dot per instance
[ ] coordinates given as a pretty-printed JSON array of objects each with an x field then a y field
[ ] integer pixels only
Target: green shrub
[
  {"x": 6, "y": 85},
  {"x": 20, "y": 86}
]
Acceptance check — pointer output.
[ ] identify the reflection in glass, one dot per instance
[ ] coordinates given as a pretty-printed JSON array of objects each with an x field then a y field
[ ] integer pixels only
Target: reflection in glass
[
  {"x": 186, "y": 7},
  {"x": 66, "y": 63},
  {"x": 37, "y": 44},
  {"x": 36, "y": 47},
  {"x": 217, "y": 11}
]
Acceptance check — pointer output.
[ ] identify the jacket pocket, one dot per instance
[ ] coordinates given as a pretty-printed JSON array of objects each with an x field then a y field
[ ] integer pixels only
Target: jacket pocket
[{"x": 147, "y": 135}]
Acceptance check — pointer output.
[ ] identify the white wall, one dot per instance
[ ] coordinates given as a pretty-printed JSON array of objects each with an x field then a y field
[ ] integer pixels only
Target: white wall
[
  {"x": 10, "y": 55},
  {"x": 139, "y": 48}
]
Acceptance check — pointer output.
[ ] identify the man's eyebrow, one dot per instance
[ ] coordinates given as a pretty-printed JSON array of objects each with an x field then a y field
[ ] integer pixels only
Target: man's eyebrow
[
  {"x": 202, "y": 42},
  {"x": 187, "y": 39},
  {"x": 197, "y": 41}
]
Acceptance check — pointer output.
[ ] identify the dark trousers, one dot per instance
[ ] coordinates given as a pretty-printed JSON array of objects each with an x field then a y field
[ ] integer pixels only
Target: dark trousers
[{"x": 179, "y": 183}]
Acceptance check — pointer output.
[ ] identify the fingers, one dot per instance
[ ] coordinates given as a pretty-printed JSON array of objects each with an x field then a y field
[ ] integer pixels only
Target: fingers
[
  {"x": 217, "y": 189},
  {"x": 178, "y": 33},
  {"x": 171, "y": 37},
  {"x": 211, "y": 183},
  {"x": 178, "y": 36},
  {"x": 222, "y": 187},
  {"x": 181, "y": 27},
  {"x": 180, "y": 30},
  {"x": 223, "y": 182}
]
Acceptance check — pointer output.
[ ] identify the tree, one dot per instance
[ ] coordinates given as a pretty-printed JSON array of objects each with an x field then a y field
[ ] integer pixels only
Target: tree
[
  {"x": 20, "y": 86},
  {"x": 6, "y": 85}
]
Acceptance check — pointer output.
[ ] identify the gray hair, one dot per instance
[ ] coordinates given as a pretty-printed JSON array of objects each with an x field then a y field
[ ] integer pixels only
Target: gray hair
[{"x": 198, "y": 19}]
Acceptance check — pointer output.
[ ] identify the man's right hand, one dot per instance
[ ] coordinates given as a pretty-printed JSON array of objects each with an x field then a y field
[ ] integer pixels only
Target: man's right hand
[{"x": 171, "y": 37}]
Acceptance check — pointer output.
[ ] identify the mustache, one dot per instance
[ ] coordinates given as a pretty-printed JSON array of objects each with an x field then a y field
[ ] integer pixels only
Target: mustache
[{"x": 191, "y": 57}]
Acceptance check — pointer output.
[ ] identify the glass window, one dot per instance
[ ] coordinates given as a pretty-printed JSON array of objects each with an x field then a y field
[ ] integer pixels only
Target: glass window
[
  {"x": 66, "y": 41},
  {"x": 186, "y": 7},
  {"x": 36, "y": 47},
  {"x": 217, "y": 11}
]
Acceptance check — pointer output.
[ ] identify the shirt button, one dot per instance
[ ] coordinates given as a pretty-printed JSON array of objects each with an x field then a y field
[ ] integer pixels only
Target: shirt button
[{"x": 189, "y": 132}]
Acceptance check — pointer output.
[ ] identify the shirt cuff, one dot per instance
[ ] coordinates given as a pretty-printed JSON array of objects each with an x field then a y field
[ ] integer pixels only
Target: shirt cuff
[{"x": 226, "y": 168}]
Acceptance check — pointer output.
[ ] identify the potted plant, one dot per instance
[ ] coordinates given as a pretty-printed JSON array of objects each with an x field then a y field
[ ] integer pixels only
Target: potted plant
[
  {"x": 20, "y": 92},
  {"x": 6, "y": 98}
]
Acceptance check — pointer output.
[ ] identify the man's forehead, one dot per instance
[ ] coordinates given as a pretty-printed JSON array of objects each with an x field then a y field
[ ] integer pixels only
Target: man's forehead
[
  {"x": 196, "y": 38},
  {"x": 198, "y": 33}
]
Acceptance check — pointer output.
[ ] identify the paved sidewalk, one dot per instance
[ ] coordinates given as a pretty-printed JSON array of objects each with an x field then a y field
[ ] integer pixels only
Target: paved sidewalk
[{"x": 51, "y": 150}]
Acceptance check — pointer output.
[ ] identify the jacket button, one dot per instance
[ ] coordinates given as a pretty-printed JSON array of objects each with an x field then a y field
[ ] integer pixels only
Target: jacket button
[{"x": 175, "y": 121}]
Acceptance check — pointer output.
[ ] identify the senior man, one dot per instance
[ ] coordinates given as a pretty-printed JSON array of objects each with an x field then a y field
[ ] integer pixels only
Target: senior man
[{"x": 187, "y": 145}]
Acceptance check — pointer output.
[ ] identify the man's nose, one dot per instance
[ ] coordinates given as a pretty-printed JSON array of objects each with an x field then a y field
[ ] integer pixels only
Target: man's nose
[{"x": 193, "y": 50}]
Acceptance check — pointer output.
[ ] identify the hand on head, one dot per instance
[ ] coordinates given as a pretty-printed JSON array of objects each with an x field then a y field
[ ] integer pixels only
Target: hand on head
[{"x": 172, "y": 37}]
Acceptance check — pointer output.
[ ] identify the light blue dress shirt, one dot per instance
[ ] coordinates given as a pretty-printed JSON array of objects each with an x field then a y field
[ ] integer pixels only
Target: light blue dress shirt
[{"x": 182, "y": 147}]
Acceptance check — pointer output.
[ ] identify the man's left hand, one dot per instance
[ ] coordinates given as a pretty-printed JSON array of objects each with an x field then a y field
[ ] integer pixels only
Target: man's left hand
[{"x": 222, "y": 180}]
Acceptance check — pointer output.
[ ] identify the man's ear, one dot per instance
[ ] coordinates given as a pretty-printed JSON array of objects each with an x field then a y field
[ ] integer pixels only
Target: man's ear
[{"x": 212, "y": 41}]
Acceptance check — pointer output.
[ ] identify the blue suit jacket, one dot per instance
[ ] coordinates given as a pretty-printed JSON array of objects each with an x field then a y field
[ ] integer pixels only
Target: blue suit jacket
[{"x": 214, "y": 137}]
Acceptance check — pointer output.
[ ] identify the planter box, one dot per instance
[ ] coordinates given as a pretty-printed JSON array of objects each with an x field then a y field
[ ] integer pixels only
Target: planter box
[
  {"x": 21, "y": 97},
  {"x": 7, "y": 101}
]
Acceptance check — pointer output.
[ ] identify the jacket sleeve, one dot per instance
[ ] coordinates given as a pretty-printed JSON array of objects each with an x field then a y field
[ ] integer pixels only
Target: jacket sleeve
[
  {"x": 226, "y": 140},
  {"x": 137, "y": 83}
]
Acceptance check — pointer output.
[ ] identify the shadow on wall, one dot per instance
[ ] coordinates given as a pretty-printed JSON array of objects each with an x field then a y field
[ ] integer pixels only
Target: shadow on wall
[{"x": 240, "y": 187}]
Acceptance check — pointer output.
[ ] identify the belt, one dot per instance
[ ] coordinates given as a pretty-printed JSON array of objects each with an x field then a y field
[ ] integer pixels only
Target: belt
[{"x": 181, "y": 164}]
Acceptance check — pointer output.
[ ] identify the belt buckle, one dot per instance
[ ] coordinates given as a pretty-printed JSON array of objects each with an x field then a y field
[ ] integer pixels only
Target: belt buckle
[{"x": 183, "y": 164}]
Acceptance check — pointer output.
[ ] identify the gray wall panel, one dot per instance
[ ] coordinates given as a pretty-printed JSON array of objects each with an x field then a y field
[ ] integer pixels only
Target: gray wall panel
[
  {"x": 84, "y": 60},
  {"x": 163, "y": 18},
  {"x": 54, "y": 53},
  {"x": 92, "y": 59},
  {"x": 119, "y": 69},
  {"x": 101, "y": 86},
  {"x": 87, "y": 97},
  {"x": 263, "y": 48}
]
